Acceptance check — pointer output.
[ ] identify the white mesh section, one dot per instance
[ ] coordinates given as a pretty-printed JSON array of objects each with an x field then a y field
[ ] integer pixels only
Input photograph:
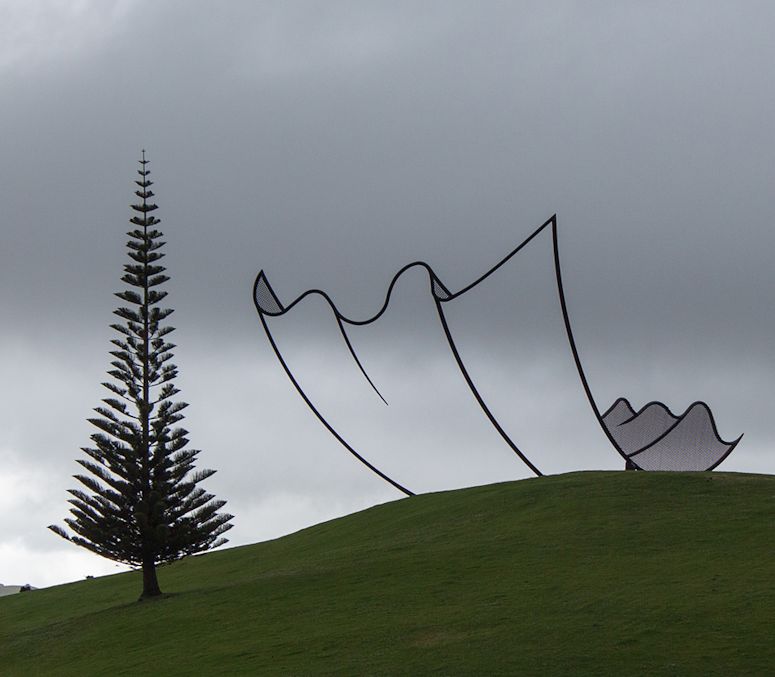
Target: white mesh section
[{"x": 266, "y": 299}]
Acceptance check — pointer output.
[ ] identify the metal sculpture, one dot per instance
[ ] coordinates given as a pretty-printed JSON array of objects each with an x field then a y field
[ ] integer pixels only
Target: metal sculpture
[
  {"x": 654, "y": 438},
  {"x": 687, "y": 443}
]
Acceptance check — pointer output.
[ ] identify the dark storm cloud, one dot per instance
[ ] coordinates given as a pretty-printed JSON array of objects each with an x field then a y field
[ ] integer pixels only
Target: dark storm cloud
[{"x": 332, "y": 143}]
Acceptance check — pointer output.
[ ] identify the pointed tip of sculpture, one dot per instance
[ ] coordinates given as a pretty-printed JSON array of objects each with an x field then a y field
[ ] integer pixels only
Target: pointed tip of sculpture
[{"x": 264, "y": 297}]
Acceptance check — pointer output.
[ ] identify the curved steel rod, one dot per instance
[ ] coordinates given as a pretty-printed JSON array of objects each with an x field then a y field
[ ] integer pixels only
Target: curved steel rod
[
  {"x": 448, "y": 295},
  {"x": 355, "y": 357},
  {"x": 321, "y": 418},
  {"x": 478, "y": 397},
  {"x": 505, "y": 259},
  {"x": 724, "y": 456},
  {"x": 662, "y": 405},
  {"x": 262, "y": 282},
  {"x": 574, "y": 350}
]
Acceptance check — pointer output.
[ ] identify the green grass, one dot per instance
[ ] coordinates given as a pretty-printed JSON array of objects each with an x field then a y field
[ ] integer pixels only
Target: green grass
[{"x": 587, "y": 573}]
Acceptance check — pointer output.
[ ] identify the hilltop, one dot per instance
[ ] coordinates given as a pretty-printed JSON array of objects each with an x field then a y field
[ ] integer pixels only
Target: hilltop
[{"x": 586, "y": 573}]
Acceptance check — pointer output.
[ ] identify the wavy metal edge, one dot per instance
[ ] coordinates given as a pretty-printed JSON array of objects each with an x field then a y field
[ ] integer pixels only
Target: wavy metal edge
[
  {"x": 261, "y": 282},
  {"x": 446, "y": 295}
]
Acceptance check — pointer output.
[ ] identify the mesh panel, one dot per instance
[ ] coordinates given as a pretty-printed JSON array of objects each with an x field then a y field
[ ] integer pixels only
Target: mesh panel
[
  {"x": 265, "y": 297},
  {"x": 439, "y": 291},
  {"x": 643, "y": 428},
  {"x": 657, "y": 440},
  {"x": 691, "y": 445},
  {"x": 619, "y": 412}
]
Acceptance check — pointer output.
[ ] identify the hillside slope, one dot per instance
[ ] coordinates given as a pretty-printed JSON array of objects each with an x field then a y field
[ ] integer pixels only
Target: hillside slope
[{"x": 586, "y": 573}]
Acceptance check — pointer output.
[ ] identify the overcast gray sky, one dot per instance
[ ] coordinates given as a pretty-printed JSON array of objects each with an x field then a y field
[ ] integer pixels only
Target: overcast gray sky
[{"x": 330, "y": 143}]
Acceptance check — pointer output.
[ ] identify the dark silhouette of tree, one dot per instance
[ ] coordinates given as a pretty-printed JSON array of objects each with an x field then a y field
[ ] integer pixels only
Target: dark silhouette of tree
[{"x": 145, "y": 507}]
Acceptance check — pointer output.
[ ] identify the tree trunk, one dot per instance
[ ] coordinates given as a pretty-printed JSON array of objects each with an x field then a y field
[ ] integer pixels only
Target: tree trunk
[{"x": 150, "y": 582}]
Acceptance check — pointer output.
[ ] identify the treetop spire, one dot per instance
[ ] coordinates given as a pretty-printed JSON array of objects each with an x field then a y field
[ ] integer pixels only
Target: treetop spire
[{"x": 144, "y": 194}]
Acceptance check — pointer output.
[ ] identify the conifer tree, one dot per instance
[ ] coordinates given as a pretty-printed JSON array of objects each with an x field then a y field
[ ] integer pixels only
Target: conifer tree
[{"x": 143, "y": 506}]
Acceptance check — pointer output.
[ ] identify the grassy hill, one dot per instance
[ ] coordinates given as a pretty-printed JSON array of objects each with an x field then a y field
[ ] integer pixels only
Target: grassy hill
[{"x": 587, "y": 573}]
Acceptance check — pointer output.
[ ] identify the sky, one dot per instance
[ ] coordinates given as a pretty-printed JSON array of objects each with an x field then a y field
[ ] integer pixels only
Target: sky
[{"x": 331, "y": 143}]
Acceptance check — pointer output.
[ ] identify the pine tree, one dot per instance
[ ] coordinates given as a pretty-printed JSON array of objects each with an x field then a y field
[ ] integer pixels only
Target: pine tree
[{"x": 145, "y": 507}]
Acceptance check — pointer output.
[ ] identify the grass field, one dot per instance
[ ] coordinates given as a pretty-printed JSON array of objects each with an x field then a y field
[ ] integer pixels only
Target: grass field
[{"x": 580, "y": 574}]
